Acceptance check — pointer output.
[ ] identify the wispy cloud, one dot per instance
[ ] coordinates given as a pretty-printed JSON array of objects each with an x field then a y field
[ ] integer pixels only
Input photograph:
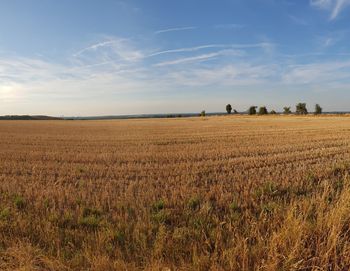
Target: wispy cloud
[
  {"x": 317, "y": 73},
  {"x": 339, "y": 6},
  {"x": 175, "y": 29},
  {"x": 240, "y": 74},
  {"x": 324, "y": 4},
  {"x": 201, "y": 58},
  {"x": 211, "y": 46},
  {"x": 95, "y": 46},
  {"x": 334, "y": 6},
  {"x": 115, "y": 68},
  {"x": 118, "y": 47},
  {"x": 332, "y": 38},
  {"x": 188, "y": 59}
]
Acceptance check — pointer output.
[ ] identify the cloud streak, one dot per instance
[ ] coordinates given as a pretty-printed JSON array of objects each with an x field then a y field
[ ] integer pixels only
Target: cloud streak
[
  {"x": 175, "y": 29},
  {"x": 334, "y": 6},
  {"x": 211, "y": 46},
  {"x": 339, "y": 6},
  {"x": 188, "y": 59},
  {"x": 117, "y": 47}
]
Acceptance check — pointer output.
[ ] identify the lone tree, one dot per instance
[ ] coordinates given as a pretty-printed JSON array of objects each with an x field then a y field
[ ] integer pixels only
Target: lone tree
[
  {"x": 318, "y": 109},
  {"x": 202, "y": 113},
  {"x": 301, "y": 109},
  {"x": 286, "y": 110},
  {"x": 263, "y": 110},
  {"x": 252, "y": 110},
  {"x": 228, "y": 109}
]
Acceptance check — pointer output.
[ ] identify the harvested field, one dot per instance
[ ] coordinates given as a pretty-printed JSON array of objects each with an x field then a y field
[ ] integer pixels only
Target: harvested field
[{"x": 217, "y": 193}]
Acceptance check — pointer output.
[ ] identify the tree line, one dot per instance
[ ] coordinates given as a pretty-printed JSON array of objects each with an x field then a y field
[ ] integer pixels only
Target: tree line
[{"x": 300, "y": 109}]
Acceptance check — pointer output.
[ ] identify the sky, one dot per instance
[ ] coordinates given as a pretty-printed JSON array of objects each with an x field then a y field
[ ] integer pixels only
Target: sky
[{"x": 115, "y": 57}]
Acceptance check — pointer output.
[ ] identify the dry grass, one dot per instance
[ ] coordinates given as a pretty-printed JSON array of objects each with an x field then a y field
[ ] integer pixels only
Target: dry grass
[{"x": 219, "y": 193}]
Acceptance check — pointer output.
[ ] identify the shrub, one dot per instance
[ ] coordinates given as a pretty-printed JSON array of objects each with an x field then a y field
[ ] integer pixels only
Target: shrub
[
  {"x": 301, "y": 109},
  {"x": 202, "y": 114},
  {"x": 158, "y": 206},
  {"x": 252, "y": 110},
  {"x": 91, "y": 218},
  {"x": 91, "y": 212},
  {"x": 91, "y": 222},
  {"x": 286, "y": 110},
  {"x": 273, "y": 112},
  {"x": 159, "y": 214},
  {"x": 263, "y": 110},
  {"x": 20, "y": 202},
  {"x": 119, "y": 238},
  {"x": 194, "y": 203},
  {"x": 5, "y": 214},
  {"x": 161, "y": 217},
  {"x": 64, "y": 221},
  {"x": 234, "y": 207}
]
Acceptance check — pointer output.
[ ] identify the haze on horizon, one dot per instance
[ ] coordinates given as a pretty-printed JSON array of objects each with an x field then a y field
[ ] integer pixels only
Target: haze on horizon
[{"x": 110, "y": 57}]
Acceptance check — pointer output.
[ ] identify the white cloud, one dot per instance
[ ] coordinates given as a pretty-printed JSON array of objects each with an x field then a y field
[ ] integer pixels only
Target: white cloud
[
  {"x": 339, "y": 6},
  {"x": 96, "y": 46},
  {"x": 188, "y": 59},
  {"x": 240, "y": 74},
  {"x": 328, "y": 42},
  {"x": 263, "y": 45},
  {"x": 200, "y": 58},
  {"x": 109, "y": 70},
  {"x": 175, "y": 29},
  {"x": 117, "y": 66},
  {"x": 334, "y": 6},
  {"x": 324, "y": 4},
  {"x": 317, "y": 73},
  {"x": 114, "y": 47}
]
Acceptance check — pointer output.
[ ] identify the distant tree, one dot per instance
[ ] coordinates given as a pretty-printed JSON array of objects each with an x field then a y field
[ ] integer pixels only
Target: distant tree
[
  {"x": 318, "y": 109},
  {"x": 202, "y": 113},
  {"x": 228, "y": 109},
  {"x": 286, "y": 110},
  {"x": 301, "y": 109},
  {"x": 263, "y": 110},
  {"x": 252, "y": 110},
  {"x": 235, "y": 111},
  {"x": 273, "y": 112}
]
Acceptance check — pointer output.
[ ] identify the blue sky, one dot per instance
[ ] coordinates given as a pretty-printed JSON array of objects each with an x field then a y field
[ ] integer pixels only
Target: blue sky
[{"x": 90, "y": 57}]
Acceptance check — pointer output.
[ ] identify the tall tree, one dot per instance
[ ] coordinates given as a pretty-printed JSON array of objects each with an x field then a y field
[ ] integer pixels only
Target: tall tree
[
  {"x": 318, "y": 109},
  {"x": 301, "y": 109},
  {"x": 263, "y": 110},
  {"x": 252, "y": 110},
  {"x": 228, "y": 109}
]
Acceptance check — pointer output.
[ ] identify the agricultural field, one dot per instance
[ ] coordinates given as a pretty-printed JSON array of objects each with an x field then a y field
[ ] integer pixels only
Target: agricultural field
[{"x": 216, "y": 193}]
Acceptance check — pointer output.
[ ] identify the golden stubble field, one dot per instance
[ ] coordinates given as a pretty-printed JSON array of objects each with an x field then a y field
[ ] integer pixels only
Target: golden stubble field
[{"x": 217, "y": 193}]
